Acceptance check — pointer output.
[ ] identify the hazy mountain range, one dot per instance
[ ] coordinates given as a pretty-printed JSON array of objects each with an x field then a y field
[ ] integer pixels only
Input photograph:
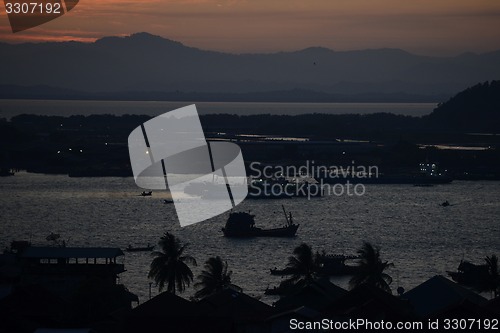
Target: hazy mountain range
[{"x": 150, "y": 67}]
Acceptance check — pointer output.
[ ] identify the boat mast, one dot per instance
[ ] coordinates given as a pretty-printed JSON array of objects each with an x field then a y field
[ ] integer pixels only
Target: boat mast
[{"x": 286, "y": 217}]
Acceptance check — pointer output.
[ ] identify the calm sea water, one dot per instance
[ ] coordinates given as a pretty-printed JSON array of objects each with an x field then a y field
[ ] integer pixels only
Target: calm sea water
[
  {"x": 414, "y": 232},
  {"x": 10, "y": 108}
]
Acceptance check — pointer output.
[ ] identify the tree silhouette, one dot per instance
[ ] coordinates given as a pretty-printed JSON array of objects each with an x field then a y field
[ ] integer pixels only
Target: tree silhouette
[
  {"x": 170, "y": 265},
  {"x": 304, "y": 264},
  {"x": 215, "y": 277},
  {"x": 492, "y": 280},
  {"x": 371, "y": 269}
]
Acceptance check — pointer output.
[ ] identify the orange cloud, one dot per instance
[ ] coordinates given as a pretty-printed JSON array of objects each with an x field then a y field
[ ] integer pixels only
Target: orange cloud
[{"x": 44, "y": 35}]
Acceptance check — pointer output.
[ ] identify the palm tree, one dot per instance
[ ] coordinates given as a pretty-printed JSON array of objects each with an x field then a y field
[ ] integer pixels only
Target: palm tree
[
  {"x": 492, "y": 282},
  {"x": 304, "y": 264},
  {"x": 170, "y": 265},
  {"x": 215, "y": 277},
  {"x": 371, "y": 269}
]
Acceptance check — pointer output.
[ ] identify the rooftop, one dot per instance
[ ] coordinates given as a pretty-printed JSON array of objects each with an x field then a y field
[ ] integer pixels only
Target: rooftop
[
  {"x": 71, "y": 252},
  {"x": 439, "y": 293}
]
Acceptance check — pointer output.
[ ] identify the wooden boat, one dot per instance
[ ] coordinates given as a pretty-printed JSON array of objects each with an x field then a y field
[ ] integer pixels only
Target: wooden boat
[
  {"x": 334, "y": 265},
  {"x": 140, "y": 249},
  {"x": 329, "y": 265},
  {"x": 242, "y": 225},
  {"x": 285, "y": 287},
  {"x": 6, "y": 172},
  {"x": 282, "y": 272},
  {"x": 469, "y": 274}
]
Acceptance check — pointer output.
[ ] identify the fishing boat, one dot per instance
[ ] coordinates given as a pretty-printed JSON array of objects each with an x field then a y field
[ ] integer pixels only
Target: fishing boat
[
  {"x": 282, "y": 272},
  {"x": 469, "y": 274},
  {"x": 334, "y": 265},
  {"x": 139, "y": 249},
  {"x": 328, "y": 265},
  {"x": 6, "y": 172},
  {"x": 241, "y": 224},
  {"x": 53, "y": 237}
]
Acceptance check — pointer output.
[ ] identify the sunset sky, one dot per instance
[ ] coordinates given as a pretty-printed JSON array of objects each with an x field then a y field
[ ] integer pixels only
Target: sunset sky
[{"x": 428, "y": 27}]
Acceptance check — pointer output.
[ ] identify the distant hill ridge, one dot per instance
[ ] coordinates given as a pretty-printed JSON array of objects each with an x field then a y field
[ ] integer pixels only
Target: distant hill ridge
[
  {"x": 146, "y": 63},
  {"x": 475, "y": 108}
]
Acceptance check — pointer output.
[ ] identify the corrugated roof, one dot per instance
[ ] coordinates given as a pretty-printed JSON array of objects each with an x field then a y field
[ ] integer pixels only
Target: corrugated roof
[
  {"x": 71, "y": 252},
  {"x": 439, "y": 293},
  {"x": 316, "y": 295},
  {"x": 234, "y": 304}
]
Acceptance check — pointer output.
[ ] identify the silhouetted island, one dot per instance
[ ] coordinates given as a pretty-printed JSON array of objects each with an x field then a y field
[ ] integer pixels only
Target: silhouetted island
[{"x": 461, "y": 135}]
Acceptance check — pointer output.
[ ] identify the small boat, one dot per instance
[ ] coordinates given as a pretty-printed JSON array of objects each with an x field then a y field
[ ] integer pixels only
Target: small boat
[
  {"x": 334, "y": 265},
  {"x": 469, "y": 274},
  {"x": 285, "y": 287},
  {"x": 282, "y": 272},
  {"x": 329, "y": 265},
  {"x": 242, "y": 224},
  {"x": 6, "y": 172},
  {"x": 423, "y": 185},
  {"x": 274, "y": 291},
  {"x": 139, "y": 249},
  {"x": 146, "y": 194},
  {"x": 53, "y": 237}
]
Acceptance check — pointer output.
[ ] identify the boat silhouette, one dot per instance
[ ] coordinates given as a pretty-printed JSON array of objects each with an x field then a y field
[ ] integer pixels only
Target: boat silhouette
[
  {"x": 148, "y": 248},
  {"x": 241, "y": 224}
]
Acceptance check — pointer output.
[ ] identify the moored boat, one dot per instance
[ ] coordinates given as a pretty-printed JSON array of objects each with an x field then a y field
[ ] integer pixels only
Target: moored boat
[
  {"x": 282, "y": 272},
  {"x": 334, "y": 265},
  {"x": 328, "y": 265},
  {"x": 6, "y": 172},
  {"x": 241, "y": 224},
  {"x": 469, "y": 274},
  {"x": 139, "y": 249}
]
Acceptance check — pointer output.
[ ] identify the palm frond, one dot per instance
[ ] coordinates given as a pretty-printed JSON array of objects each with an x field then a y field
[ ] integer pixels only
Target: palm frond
[
  {"x": 169, "y": 267},
  {"x": 371, "y": 269},
  {"x": 213, "y": 278}
]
